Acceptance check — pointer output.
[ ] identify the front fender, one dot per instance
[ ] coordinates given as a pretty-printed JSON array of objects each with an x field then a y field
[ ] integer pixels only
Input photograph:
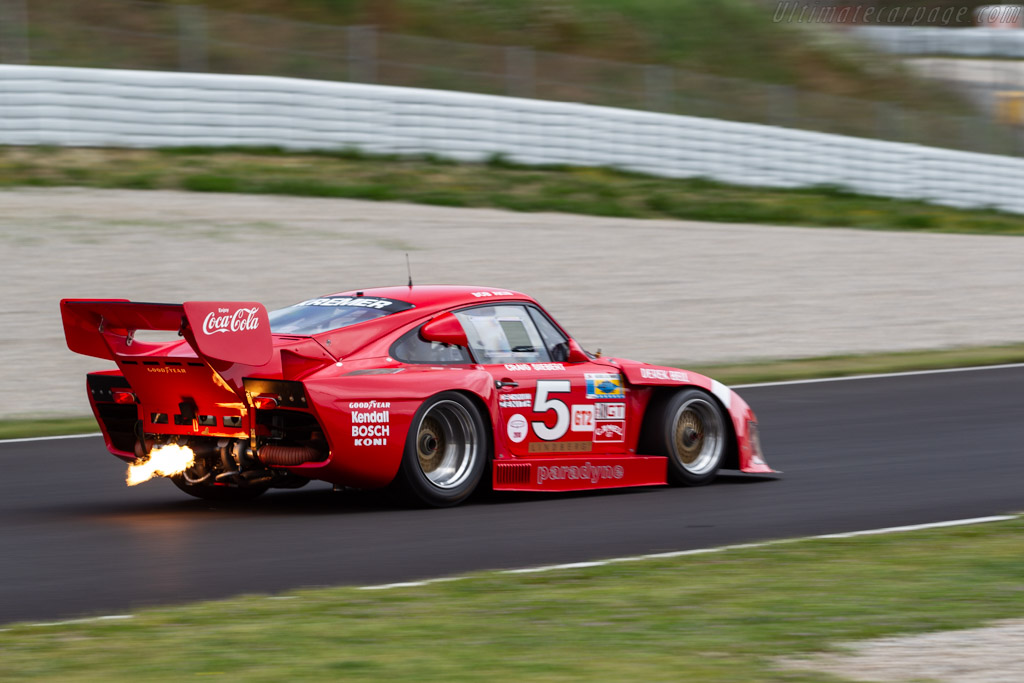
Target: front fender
[{"x": 744, "y": 422}]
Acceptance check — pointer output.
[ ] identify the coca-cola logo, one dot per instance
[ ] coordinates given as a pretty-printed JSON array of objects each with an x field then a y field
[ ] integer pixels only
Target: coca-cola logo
[{"x": 223, "y": 320}]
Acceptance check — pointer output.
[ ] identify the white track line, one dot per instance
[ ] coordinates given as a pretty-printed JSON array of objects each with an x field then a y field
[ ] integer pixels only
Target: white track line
[
  {"x": 718, "y": 549},
  {"x": 881, "y": 375},
  {"x": 614, "y": 560},
  {"x": 49, "y": 438},
  {"x": 819, "y": 380}
]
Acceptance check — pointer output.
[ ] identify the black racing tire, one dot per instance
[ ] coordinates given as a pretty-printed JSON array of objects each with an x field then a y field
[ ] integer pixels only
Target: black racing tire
[
  {"x": 694, "y": 433},
  {"x": 446, "y": 451},
  {"x": 220, "y": 493}
]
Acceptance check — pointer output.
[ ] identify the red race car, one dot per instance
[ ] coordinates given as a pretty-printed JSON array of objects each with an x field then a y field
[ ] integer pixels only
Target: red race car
[{"x": 429, "y": 389}]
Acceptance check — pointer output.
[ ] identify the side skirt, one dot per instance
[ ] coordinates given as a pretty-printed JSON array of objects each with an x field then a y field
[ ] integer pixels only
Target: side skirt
[{"x": 579, "y": 474}]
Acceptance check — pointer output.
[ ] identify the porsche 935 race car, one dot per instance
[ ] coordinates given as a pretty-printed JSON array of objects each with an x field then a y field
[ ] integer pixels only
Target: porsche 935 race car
[{"x": 430, "y": 389}]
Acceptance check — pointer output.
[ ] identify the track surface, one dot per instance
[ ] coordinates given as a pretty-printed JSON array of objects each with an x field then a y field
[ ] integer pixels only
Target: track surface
[{"x": 856, "y": 454}]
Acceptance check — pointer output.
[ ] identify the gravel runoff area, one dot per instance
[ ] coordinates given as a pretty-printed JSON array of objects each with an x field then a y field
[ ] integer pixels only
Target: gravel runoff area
[
  {"x": 649, "y": 289},
  {"x": 991, "y": 654}
]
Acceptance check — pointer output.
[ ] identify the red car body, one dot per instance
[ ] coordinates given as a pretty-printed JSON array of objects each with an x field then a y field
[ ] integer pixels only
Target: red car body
[{"x": 340, "y": 404}]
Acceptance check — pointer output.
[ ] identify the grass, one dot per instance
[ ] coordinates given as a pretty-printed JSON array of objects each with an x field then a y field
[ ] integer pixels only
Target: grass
[
  {"x": 497, "y": 184},
  {"x": 717, "y": 617},
  {"x": 735, "y": 373},
  {"x": 725, "y": 38}
]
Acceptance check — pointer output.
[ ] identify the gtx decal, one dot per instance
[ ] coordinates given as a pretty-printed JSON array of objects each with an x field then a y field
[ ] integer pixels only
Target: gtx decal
[
  {"x": 610, "y": 411},
  {"x": 224, "y": 320}
]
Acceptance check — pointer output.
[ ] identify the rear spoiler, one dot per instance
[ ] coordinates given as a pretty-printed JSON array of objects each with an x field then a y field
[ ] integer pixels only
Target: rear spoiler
[{"x": 227, "y": 331}]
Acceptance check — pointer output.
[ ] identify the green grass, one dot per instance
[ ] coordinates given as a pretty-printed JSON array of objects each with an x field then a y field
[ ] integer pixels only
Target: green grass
[
  {"x": 498, "y": 184},
  {"x": 52, "y": 426},
  {"x": 735, "y": 373},
  {"x": 726, "y": 38},
  {"x": 717, "y": 617}
]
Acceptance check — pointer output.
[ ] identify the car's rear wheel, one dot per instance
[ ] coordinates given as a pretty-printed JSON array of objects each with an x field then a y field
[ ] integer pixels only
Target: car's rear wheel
[
  {"x": 445, "y": 451},
  {"x": 220, "y": 493},
  {"x": 696, "y": 436}
]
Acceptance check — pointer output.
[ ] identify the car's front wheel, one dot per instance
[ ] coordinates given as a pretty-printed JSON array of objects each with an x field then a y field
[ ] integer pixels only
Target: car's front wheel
[
  {"x": 445, "y": 451},
  {"x": 696, "y": 436}
]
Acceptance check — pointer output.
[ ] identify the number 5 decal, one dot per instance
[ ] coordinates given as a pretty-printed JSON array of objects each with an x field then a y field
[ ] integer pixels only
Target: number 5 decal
[{"x": 542, "y": 404}]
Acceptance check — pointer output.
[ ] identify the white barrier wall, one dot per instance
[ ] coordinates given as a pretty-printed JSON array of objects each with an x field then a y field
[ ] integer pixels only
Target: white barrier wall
[
  {"x": 950, "y": 42},
  {"x": 113, "y": 108}
]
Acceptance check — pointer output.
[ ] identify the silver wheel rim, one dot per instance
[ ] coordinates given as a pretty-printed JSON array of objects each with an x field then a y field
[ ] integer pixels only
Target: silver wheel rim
[
  {"x": 446, "y": 444},
  {"x": 698, "y": 436}
]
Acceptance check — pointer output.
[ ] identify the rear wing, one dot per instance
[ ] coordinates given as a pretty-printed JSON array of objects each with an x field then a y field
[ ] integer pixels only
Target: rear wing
[{"x": 225, "y": 331}]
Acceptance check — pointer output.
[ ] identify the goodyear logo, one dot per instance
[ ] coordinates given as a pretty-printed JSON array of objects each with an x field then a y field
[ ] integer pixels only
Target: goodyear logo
[{"x": 601, "y": 385}]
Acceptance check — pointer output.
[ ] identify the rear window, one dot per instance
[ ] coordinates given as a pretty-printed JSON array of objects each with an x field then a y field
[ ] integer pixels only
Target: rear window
[{"x": 314, "y": 316}]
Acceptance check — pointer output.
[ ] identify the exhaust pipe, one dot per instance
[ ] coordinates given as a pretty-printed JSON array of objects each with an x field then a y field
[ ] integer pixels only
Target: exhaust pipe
[{"x": 288, "y": 456}]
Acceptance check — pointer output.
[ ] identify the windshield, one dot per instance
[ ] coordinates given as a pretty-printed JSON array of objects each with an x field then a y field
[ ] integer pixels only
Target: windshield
[{"x": 314, "y": 316}]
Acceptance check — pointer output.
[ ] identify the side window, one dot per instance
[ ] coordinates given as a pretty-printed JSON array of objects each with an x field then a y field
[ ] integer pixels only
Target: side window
[
  {"x": 556, "y": 342},
  {"x": 411, "y": 348},
  {"x": 503, "y": 334}
]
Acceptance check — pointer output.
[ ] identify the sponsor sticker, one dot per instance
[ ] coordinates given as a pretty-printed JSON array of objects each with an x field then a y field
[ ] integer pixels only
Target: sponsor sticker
[
  {"x": 584, "y": 472},
  {"x": 610, "y": 411},
  {"x": 517, "y": 428},
  {"x": 667, "y": 375},
  {"x": 515, "y": 400},
  {"x": 604, "y": 385},
  {"x": 560, "y": 447},
  {"x": 390, "y": 305},
  {"x": 527, "y": 367},
  {"x": 225, "y": 320},
  {"x": 582, "y": 418},
  {"x": 612, "y": 431},
  {"x": 371, "y": 422}
]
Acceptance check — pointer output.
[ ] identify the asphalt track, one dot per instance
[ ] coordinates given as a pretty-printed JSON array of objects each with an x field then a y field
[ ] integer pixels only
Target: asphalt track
[{"x": 861, "y": 454}]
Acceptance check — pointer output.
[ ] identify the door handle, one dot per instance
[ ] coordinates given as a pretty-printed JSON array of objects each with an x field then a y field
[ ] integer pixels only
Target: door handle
[{"x": 506, "y": 384}]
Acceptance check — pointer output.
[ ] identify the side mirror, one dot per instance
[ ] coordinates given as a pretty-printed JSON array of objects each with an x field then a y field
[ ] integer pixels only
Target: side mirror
[
  {"x": 576, "y": 353},
  {"x": 445, "y": 329}
]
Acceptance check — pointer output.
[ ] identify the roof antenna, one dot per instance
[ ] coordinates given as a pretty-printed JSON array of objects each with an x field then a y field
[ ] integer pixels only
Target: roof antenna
[{"x": 408, "y": 268}]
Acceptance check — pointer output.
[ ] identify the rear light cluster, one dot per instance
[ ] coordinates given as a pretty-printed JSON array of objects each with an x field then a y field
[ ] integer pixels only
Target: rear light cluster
[{"x": 124, "y": 397}]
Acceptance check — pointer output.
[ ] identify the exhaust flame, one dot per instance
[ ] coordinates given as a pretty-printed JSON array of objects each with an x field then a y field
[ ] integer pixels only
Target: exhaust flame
[{"x": 163, "y": 461}]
